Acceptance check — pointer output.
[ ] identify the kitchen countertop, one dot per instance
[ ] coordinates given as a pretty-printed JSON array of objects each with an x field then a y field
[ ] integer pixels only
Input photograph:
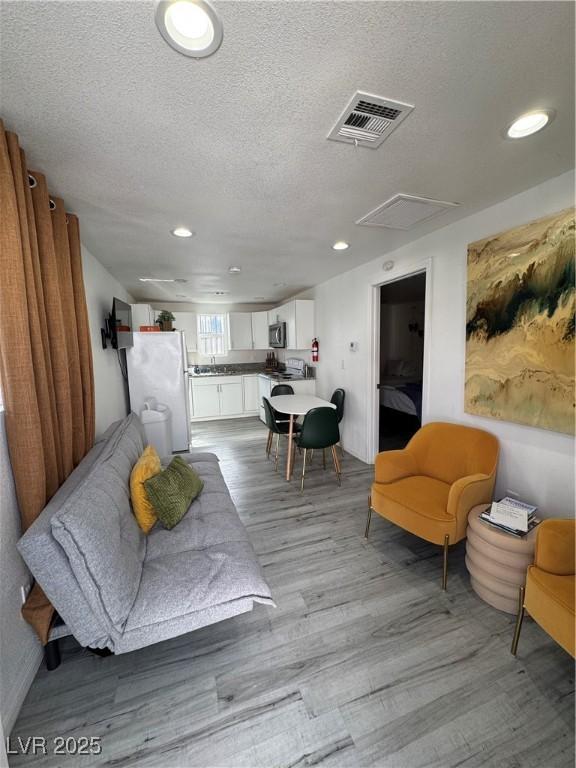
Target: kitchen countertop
[
  {"x": 231, "y": 370},
  {"x": 274, "y": 375}
]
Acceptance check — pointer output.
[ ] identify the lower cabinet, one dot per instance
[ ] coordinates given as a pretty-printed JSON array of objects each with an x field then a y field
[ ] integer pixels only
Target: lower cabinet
[
  {"x": 216, "y": 397},
  {"x": 251, "y": 398},
  {"x": 221, "y": 397},
  {"x": 231, "y": 398},
  {"x": 206, "y": 400}
]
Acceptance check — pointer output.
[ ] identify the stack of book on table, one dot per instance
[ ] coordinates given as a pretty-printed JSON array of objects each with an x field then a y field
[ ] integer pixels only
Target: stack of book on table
[{"x": 511, "y": 516}]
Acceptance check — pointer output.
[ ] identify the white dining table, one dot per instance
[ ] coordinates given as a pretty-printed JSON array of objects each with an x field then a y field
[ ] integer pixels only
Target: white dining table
[{"x": 296, "y": 405}]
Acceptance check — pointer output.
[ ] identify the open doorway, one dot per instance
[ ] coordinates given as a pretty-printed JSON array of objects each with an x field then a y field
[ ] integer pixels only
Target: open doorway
[{"x": 402, "y": 320}]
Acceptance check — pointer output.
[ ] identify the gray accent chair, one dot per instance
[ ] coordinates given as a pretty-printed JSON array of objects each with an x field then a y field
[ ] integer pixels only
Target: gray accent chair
[{"x": 115, "y": 588}]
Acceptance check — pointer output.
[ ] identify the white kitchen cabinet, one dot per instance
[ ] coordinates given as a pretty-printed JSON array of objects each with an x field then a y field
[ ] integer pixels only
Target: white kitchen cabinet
[
  {"x": 260, "y": 330},
  {"x": 272, "y": 316},
  {"x": 142, "y": 314},
  {"x": 299, "y": 318},
  {"x": 206, "y": 400},
  {"x": 240, "y": 330},
  {"x": 251, "y": 399},
  {"x": 264, "y": 387},
  {"x": 186, "y": 321},
  {"x": 217, "y": 397},
  {"x": 231, "y": 398}
]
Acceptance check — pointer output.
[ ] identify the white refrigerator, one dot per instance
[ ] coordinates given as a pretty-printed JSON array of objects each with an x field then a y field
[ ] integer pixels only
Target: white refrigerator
[{"x": 158, "y": 367}]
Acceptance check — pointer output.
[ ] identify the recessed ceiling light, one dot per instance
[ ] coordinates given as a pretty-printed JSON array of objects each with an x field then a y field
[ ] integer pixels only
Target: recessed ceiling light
[
  {"x": 182, "y": 232},
  {"x": 191, "y": 27},
  {"x": 340, "y": 245},
  {"x": 530, "y": 123},
  {"x": 234, "y": 270},
  {"x": 388, "y": 265},
  {"x": 156, "y": 279}
]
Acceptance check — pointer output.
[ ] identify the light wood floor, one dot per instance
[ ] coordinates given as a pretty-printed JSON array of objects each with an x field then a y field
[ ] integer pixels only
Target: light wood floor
[{"x": 364, "y": 661}]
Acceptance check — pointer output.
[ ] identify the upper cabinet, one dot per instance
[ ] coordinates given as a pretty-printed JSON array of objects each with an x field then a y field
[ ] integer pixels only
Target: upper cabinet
[
  {"x": 240, "y": 330},
  {"x": 299, "y": 318},
  {"x": 186, "y": 321},
  {"x": 248, "y": 330},
  {"x": 260, "y": 330},
  {"x": 142, "y": 314}
]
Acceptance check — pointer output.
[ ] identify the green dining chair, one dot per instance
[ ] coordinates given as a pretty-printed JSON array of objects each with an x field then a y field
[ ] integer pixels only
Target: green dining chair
[
  {"x": 319, "y": 431},
  {"x": 337, "y": 399},
  {"x": 275, "y": 428},
  {"x": 276, "y": 391}
]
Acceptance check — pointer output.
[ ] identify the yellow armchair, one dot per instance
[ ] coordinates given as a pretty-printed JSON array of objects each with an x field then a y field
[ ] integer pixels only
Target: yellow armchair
[
  {"x": 430, "y": 487},
  {"x": 549, "y": 592}
]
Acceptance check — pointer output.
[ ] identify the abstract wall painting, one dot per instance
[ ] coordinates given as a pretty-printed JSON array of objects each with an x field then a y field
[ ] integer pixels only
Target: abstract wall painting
[{"x": 520, "y": 325}]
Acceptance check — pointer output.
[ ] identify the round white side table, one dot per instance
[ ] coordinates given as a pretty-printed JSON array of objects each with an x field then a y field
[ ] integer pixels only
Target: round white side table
[{"x": 497, "y": 562}]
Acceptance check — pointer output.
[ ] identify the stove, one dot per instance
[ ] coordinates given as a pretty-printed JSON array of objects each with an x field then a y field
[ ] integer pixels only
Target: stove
[{"x": 295, "y": 368}]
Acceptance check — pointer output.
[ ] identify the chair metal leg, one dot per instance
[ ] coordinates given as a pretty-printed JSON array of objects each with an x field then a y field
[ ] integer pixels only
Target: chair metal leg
[
  {"x": 369, "y": 517},
  {"x": 519, "y": 619},
  {"x": 269, "y": 444},
  {"x": 336, "y": 465},
  {"x": 276, "y": 456},
  {"x": 445, "y": 563},
  {"x": 324, "y": 458},
  {"x": 303, "y": 470}
]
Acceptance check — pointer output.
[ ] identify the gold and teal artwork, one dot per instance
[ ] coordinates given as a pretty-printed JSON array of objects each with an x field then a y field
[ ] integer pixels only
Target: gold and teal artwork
[{"x": 520, "y": 325}]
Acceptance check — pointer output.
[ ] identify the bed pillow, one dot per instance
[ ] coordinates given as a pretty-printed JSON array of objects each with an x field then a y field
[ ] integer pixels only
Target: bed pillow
[{"x": 394, "y": 367}]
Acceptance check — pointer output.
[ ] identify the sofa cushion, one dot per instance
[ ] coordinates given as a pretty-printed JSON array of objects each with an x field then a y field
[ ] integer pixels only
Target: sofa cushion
[
  {"x": 425, "y": 495},
  {"x": 186, "y": 582},
  {"x": 211, "y": 519},
  {"x": 96, "y": 528}
]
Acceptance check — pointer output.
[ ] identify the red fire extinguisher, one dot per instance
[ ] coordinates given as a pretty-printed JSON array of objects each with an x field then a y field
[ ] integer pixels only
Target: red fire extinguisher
[{"x": 315, "y": 346}]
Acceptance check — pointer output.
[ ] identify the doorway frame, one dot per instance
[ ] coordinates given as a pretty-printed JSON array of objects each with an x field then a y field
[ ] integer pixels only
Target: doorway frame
[{"x": 373, "y": 394}]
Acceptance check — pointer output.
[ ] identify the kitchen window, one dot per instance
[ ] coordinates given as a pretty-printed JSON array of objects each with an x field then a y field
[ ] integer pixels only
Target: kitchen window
[{"x": 212, "y": 335}]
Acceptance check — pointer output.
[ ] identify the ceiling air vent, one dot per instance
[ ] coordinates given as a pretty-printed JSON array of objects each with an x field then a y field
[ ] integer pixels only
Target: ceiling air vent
[
  {"x": 404, "y": 212},
  {"x": 368, "y": 120}
]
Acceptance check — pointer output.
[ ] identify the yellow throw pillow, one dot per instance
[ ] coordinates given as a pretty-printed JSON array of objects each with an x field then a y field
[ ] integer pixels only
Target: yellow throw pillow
[{"x": 146, "y": 467}]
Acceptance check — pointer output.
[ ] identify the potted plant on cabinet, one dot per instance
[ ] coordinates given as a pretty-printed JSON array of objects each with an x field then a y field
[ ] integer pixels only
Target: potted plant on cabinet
[{"x": 165, "y": 320}]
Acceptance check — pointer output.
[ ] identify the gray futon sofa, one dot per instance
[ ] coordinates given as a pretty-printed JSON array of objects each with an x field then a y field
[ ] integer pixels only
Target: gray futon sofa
[{"x": 116, "y": 588}]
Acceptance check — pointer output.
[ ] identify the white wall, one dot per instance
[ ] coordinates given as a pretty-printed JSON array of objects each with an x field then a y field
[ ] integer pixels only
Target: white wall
[
  {"x": 110, "y": 389},
  {"x": 537, "y": 464},
  {"x": 20, "y": 651}
]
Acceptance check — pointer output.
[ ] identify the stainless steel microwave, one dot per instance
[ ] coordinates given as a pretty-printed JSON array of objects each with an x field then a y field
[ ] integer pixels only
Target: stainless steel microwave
[{"x": 277, "y": 335}]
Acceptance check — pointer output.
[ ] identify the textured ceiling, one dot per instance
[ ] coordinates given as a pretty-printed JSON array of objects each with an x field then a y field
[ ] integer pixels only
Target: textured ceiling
[{"x": 138, "y": 139}]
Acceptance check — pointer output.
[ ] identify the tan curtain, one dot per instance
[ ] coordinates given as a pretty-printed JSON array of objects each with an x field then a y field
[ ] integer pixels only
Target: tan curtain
[{"x": 45, "y": 353}]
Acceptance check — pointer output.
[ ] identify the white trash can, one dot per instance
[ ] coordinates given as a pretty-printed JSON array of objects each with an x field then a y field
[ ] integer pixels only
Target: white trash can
[{"x": 157, "y": 421}]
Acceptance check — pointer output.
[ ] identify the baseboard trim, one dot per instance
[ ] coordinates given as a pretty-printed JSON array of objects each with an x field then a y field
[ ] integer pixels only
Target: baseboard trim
[
  {"x": 28, "y": 668},
  {"x": 356, "y": 455},
  {"x": 246, "y": 415}
]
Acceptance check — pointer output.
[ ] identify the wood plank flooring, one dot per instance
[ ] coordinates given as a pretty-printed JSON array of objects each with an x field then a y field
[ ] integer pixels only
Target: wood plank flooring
[{"x": 365, "y": 661}]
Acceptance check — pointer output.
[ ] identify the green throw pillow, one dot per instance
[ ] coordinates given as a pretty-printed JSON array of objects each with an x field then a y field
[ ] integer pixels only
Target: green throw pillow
[{"x": 171, "y": 492}]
